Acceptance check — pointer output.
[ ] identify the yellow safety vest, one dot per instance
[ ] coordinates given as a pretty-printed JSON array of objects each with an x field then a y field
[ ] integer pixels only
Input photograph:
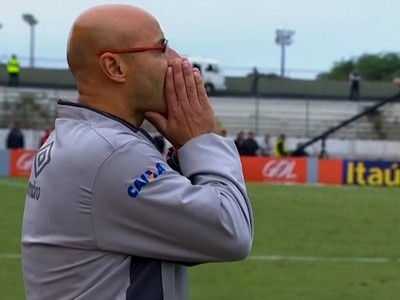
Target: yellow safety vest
[
  {"x": 277, "y": 153},
  {"x": 13, "y": 66}
]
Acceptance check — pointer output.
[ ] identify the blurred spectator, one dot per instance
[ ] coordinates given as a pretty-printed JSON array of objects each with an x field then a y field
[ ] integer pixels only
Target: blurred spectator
[
  {"x": 224, "y": 133},
  {"x": 250, "y": 145},
  {"x": 219, "y": 129},
  {"x": 15, "y": 138},
  {"x": 254, "y": 78},
  {"x": 355, "y": 79},
  {"x": 266, "y": 148},
  {"x": 13, "y": 70},
  {"x": 280, "y": 149},
  {"x": 239, "y": 142},
  {"x": 160, "y": 143},
  {"x": 299, "y": 152},
  {"x": 45, "y": 136},
  {"x": 396, "y": 81}
]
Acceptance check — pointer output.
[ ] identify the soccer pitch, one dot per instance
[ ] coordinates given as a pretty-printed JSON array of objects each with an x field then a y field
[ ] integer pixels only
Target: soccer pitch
[{"x": 311, "y": 243}]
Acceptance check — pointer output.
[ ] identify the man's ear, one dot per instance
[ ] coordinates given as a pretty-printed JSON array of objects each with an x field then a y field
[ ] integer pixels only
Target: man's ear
[{"x": 111, "y": 64}]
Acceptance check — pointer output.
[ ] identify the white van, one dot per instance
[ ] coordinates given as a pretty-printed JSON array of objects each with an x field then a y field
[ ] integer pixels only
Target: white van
[{"x": 213, "y": 77}]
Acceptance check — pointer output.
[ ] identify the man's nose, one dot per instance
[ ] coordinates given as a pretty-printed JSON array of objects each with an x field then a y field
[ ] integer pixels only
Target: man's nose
[{"x": 173, "y": 54}]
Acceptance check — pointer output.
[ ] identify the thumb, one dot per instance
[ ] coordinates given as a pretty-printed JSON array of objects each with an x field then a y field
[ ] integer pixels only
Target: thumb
[{"x": 157, "y": 120}]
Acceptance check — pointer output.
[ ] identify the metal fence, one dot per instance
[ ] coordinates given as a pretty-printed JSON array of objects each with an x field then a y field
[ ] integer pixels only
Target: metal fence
[
  {"x": 302, "y": 118},
  {"x": 306, "y": 118},
  {"x": 229, "y": 70}
]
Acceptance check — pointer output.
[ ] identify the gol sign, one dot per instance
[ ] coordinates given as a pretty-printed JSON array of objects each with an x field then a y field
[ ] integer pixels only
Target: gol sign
[
  {"x": 21, "y": 162},
  {"x": 260, "y": 169}
]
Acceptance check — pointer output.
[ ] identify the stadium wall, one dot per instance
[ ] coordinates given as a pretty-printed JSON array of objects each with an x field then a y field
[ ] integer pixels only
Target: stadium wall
[
  {"x": 4, "y": 163},
  {"x": 236, "y": 86},
  {"x": 338, "y": 148},
  {"x": 322, "y": 171},
  {"x": 267, "y": 170}
]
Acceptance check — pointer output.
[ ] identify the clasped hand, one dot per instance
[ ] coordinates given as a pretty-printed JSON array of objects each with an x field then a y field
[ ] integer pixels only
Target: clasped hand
[{"x": 189, "y": 111}]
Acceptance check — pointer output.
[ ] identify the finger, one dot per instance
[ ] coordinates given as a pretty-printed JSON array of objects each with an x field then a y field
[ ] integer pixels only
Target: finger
[
  {"x": 170, "y": 94},
  {"x": 179, "y": 82},
  {"x": 201, "y": 90},
  {"x": 158, "y": 121},
  {"x": 203, "y": 98},
  {"x": 191, "y": 89}
]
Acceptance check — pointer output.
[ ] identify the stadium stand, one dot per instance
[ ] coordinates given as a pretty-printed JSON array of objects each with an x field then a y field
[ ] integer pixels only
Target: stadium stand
[{"x": 36, "y": 107}]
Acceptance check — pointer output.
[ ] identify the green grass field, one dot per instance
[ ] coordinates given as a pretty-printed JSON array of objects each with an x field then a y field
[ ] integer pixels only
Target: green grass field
[{"x": 311, "y": 243}]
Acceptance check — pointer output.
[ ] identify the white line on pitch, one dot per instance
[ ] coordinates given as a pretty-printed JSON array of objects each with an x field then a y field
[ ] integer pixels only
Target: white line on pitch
[
  {"x": 9, "y": 255},
  {"x": 323, "y": 258},
  {"x": 283, "y": 258}
]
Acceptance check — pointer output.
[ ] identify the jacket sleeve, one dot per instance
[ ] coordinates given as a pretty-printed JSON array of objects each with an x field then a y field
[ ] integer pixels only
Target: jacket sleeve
[{"x": 142, "y": 207}]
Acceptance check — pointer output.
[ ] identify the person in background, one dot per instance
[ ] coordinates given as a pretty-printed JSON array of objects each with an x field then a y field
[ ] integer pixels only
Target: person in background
[
  {"x": 280, "y": 149},
  {"x": 219, "y": 127},
  {"x": 355, "y": 82},
  {"x": 239, "y": 142},
  {"x": 13, "y": 70},
  {"x": 106, "y": 217},
  {"x": 266, "y": 148},
  {"x": 299, "y": 152},
  {"x": 254, "y": 79},
  {"x": 15, "y": 138},
  {"x": 45, "y": 135},
  {"x": 250, "y": 146},
  {"x": 224, "y": 133},
  {"x": 160, "y": 143}
]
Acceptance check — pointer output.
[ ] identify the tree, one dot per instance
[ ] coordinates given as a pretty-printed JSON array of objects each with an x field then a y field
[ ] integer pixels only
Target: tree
[{"x": 375, "y": 67}]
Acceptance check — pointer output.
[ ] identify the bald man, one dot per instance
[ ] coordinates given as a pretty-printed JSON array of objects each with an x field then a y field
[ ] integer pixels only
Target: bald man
[{"x": 105, "y": 216}]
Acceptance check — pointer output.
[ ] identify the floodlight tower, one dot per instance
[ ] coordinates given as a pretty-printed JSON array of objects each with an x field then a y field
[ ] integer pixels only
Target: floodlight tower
[
  {"x": 283, "y": 38},
  {"x": 31, "y": 20}
]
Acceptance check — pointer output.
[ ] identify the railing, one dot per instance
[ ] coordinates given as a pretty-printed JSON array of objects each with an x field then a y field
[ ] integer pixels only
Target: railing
[
  {"x": 302, "y": 118},
  {"x": 229, "y": 70},
  {"x": 306, "y": 118}
]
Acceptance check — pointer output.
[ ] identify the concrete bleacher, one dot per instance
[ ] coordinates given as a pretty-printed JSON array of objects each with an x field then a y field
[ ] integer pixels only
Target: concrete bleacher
[
  {"x": 295, "y": 117},
  {"x": 45, "y": 93},
  {"x": 34, "y": 107},
  {"x": 301, "y": 117}
]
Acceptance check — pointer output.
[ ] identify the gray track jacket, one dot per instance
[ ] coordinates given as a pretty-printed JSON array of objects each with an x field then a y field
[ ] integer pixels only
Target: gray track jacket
[{"x": 106, "y": 218}]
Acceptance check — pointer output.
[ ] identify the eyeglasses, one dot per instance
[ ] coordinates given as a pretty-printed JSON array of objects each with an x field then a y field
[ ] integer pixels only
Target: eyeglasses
[{"x": 161, "y": 48}]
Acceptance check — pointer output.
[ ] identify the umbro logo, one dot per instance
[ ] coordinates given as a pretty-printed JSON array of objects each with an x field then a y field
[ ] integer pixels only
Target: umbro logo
[{"x": 43, "y": 158}]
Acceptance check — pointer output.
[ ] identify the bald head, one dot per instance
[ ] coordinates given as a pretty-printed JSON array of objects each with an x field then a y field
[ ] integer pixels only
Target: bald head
[
  {"x": 104, "y": 27},
  {"x": 109, "y": 75}
]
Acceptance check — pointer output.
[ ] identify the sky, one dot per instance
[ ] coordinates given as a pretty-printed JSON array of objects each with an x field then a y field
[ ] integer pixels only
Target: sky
[{"x": 239, "y": 34}]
